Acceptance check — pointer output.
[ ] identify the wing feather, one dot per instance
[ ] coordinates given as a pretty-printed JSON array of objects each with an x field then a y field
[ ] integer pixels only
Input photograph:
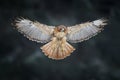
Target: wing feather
[
  {"x": 84, "y": 31},
  {"x": 34, "y": 31}
]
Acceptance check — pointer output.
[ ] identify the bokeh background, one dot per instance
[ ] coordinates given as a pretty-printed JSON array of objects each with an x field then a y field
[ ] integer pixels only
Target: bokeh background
[{"x": 95, "y": 59}]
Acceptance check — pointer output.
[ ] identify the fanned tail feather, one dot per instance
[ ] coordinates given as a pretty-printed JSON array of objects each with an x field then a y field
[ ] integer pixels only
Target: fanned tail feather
[{"x": 57, "y": 50}]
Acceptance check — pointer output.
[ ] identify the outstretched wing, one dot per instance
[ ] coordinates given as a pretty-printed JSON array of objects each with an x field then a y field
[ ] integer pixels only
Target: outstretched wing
[
  {"x": 34, "y": 31},
  {"x": 84, "y": 31}
]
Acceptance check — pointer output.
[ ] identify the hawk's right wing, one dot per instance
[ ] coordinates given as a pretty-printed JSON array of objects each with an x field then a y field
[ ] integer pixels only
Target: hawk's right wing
[
  {"x": 85, "y": 31},
  {"x": 34, "y": 31}
]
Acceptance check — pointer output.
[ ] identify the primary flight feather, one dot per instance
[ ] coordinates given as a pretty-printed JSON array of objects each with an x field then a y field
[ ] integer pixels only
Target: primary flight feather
[{"x": 56, "y": 37}]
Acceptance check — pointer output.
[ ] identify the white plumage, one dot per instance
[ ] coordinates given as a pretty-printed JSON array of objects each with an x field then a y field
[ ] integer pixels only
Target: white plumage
[{"x": 58, "y": 47}]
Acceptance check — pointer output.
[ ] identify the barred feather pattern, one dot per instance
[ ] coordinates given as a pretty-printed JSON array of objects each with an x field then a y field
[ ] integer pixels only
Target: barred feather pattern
[
  {"x": 34, "y": 31},
  {"x": 84, "y": 31}
]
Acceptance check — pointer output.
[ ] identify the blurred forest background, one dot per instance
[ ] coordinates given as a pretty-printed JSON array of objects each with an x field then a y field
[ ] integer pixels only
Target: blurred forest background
[{"x": 95, "y": 59}]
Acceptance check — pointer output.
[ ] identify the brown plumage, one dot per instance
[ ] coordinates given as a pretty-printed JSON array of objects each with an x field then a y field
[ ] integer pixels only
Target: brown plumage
[{"x": 57, "y": 47}]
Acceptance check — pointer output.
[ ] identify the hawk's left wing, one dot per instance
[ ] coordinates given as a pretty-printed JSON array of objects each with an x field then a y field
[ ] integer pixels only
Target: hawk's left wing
[
  {"x": 85, "y": 31},
  {"x": 34, "y": 31}
]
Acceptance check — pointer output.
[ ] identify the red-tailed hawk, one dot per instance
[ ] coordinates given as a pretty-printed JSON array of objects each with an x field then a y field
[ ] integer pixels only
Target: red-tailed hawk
[{"x": 57, "y": 37}]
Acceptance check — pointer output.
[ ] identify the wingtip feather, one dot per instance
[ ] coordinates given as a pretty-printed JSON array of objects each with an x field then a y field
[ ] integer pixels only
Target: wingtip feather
[{"x": 100, "y": 22}]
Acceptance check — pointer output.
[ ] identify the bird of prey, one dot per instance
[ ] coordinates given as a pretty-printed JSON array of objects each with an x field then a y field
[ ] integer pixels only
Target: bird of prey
[{"x": 57, "y": 37}]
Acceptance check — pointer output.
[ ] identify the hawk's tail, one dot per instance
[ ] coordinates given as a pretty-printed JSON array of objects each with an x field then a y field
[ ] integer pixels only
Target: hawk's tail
[{"x": 57, "y": 50}]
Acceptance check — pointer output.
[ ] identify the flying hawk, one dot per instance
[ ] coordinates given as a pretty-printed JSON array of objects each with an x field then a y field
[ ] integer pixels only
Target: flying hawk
[{"x": 57, "y": 37}]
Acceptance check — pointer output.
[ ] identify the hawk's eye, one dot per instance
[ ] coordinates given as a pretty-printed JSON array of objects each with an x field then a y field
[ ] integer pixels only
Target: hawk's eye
[{"x": 62, "y": 30}]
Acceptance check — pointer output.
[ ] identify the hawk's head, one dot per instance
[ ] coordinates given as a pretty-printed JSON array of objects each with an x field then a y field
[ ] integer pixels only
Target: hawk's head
[{"x": 61, "y": 28}]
